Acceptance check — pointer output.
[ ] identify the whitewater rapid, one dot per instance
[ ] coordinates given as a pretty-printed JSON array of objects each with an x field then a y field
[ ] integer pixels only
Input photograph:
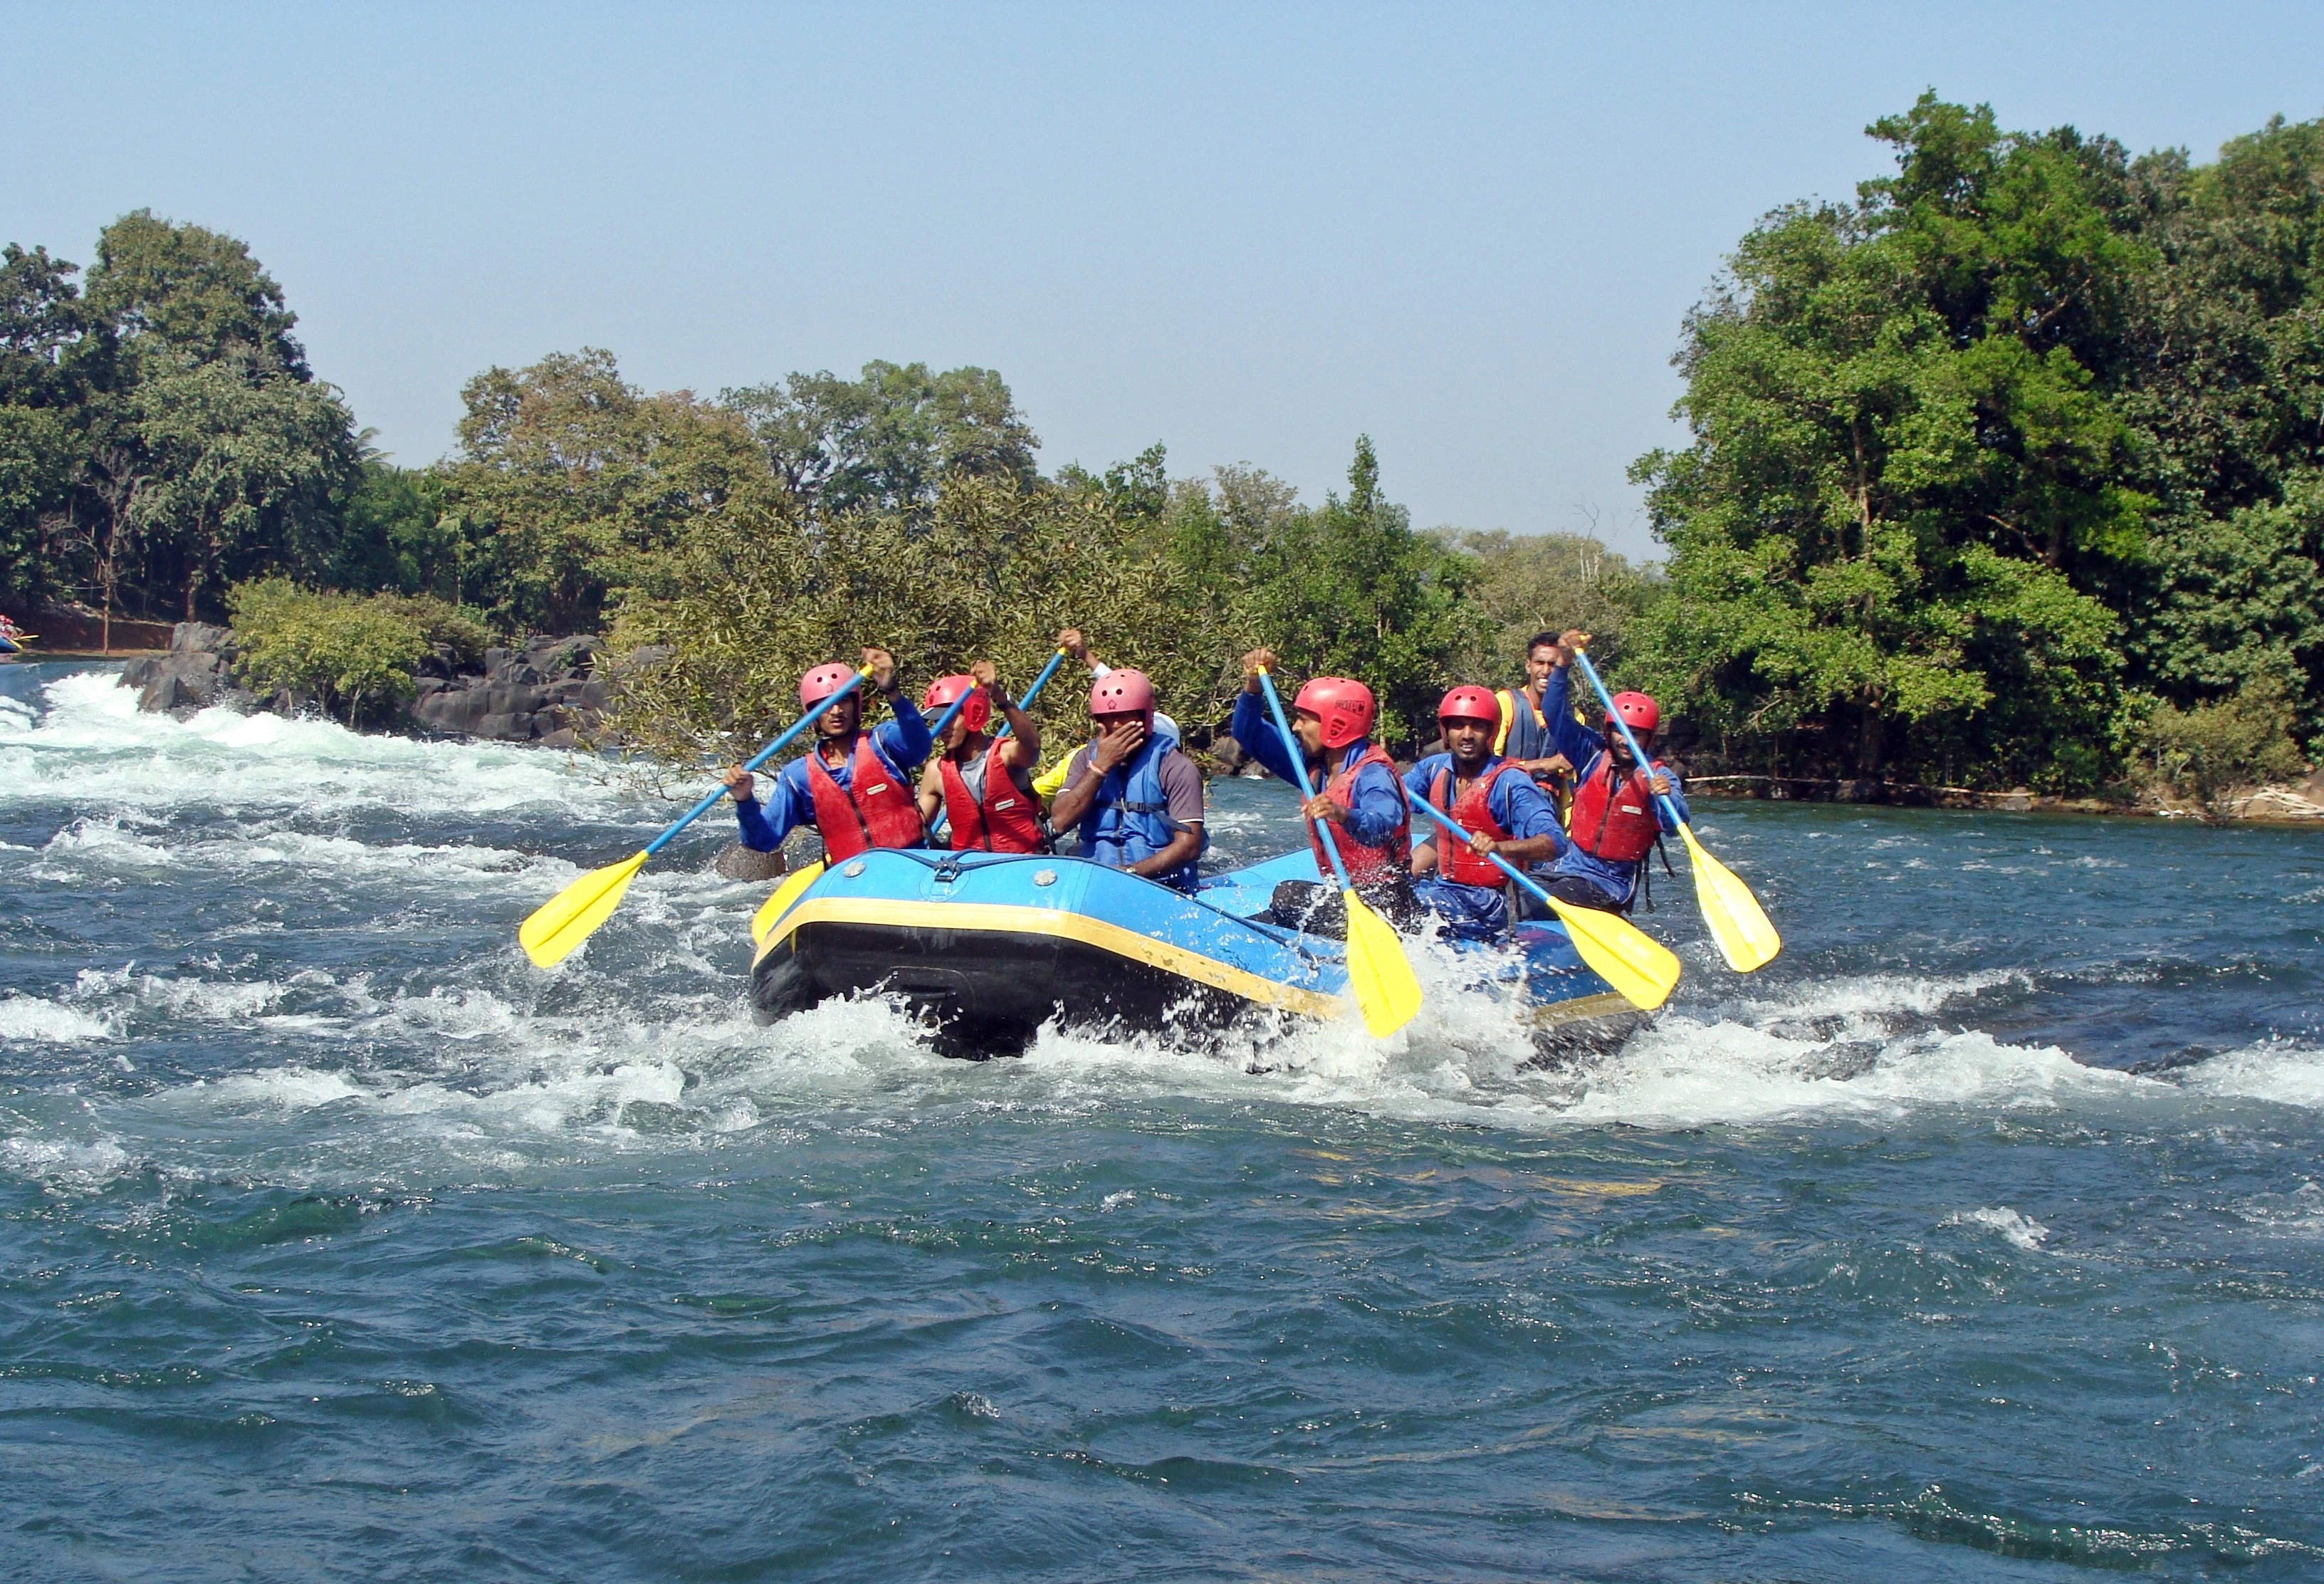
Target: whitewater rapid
[{"x": 420, "y": 1043}]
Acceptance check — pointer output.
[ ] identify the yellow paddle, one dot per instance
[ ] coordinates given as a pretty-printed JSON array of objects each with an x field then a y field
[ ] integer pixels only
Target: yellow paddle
[
  {"x": 570, "y": 917},
  {"x": 1745, "y": 936},
  {"x": 1640, "y": 968},
  {"x": 1379, "y": 972}
]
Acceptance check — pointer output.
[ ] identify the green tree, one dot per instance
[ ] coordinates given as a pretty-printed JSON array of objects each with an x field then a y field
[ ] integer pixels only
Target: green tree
[
  {"x": 889, "y": 441},
  {"x": 573, "y": 486},
  {"x": 1894, "y": 532},
  {"x": 246, "y": 467},
  {"x": 1350, "y": 589},
  {"x": 42, "y": 387}
]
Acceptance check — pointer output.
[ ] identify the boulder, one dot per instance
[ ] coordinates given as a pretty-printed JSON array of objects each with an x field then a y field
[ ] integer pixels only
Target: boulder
[{"x": 737, "y": 862}]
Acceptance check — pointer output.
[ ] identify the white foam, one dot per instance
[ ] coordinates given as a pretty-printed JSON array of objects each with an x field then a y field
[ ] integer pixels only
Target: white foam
[
  {"x": 93, "y": 749},
  {"x": 31, "y": 1018},
  {"x": 2019, "y": 1229},
  {"x": 2286, "y": 1072},
  {"x": 65, "y": 1162}
]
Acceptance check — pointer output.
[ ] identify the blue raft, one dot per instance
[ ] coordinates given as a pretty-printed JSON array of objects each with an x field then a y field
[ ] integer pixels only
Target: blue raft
[{"x": 988, "y": 947}]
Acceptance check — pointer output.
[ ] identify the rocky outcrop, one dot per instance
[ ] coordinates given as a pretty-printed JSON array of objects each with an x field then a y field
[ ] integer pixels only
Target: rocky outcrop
[
  {"x": 197, "y": 672},
  {"x": 547, "y": 693}
]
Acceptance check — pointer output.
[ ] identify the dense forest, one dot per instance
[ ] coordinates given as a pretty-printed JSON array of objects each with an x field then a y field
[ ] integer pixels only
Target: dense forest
[{"x": 2011, "y": 470}]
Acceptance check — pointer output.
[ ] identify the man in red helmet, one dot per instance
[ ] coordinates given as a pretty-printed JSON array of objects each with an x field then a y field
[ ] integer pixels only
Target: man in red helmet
[
  {"x": 1358, "y": 794},
  {"x": 983, "y": 787},
  {"x": 1493, "y": 798},
  {"x": 854, "y": 786},
  {"x": 1136, "y": 798},
  {"x": 1617, "y": 817}
]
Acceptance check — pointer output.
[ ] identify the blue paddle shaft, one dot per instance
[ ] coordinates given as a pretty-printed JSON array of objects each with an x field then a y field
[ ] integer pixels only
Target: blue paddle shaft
[
  {"x": 1034, "y": 692},
  {"x": 854, "y": 680},
  {"x": 1507, "y": 867},
  {"x": 1306, "y": 788},
  {"x": 1615, "y": 715}
]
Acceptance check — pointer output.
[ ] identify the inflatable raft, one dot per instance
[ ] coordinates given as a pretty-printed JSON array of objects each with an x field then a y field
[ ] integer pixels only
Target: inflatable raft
[{"x": 988, "y": 947}]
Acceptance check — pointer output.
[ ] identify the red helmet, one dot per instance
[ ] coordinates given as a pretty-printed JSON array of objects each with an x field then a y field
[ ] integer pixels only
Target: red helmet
[
  {"x": 1638, "y": 712},
  {"x": 1471, "y": 702},
  {"x": 1123, "y": 693},
  {"x": 975, "y": 715},
  {"x": 1346, "y": 709},
  {"x": 822, "y": 682}
]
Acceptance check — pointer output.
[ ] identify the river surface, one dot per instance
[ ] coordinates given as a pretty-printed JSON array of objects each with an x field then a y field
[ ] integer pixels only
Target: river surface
[{"x": 1979, "y": 1237}]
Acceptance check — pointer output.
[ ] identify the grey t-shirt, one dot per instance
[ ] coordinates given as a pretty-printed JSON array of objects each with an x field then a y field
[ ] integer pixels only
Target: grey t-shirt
[{"x": 1182, "y": 784}]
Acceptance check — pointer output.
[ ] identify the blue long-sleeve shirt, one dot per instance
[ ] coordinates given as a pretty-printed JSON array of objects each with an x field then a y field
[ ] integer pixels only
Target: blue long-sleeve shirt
[
  {"x": 903, "y": 742},
  {"x": 1583, "y": 748},
  {"x": 1519, "y": 805},
  {"x": 1375, "y": 809}
]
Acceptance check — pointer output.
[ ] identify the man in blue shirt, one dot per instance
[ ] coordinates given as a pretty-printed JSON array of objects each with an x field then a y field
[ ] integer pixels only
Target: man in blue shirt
[
  {"x": 1357, "y": 793},
  {"x": 1618, "y": 814},
  {"x": 1495, "y": 801},
  {"x": 854, "y": 786}
]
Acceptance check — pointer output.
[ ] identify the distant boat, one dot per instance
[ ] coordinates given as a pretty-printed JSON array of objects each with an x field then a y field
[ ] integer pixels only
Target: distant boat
[{"x": 13, "y": 638}]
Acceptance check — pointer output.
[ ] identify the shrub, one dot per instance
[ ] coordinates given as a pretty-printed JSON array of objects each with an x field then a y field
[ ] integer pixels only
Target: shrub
[
  {"x": 357, "y": 655},
  {"x": 2243, "y": 740}
]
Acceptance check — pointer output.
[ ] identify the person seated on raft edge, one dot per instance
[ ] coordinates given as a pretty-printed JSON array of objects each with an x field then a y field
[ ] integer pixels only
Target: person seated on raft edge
[
  {"x": 1136, "y": 800},
  {"x": 1358, "y": 793},
  {"x": 1052, "y": 781},
  {"x": 1493, "y": 798},
  {"x": 852, "y": 786},
  {"x": 987, "y": 811},
  {"x": 1615, "y": 819}
]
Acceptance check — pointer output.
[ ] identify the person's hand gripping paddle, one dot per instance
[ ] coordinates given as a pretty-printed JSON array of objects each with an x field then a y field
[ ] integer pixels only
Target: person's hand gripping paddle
[
  {"x": 1379, "y": 972},
  {"x": 1640, "y": 968},
  {"x": 570, "y": 917},
  {"x": 1745, "y": 936}
]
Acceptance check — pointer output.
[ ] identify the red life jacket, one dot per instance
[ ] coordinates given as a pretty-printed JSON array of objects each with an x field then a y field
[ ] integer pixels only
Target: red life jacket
[
  {"x": 1365, "y": 862},
  {"x": 1006, "y": 819},
  {"x": 1617, "y": 824},
  {"x": 1474, "y": 814},
  {"x": 874, "y": 809}
]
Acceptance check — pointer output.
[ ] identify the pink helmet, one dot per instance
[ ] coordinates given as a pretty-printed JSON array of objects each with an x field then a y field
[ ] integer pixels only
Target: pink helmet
[
  {"x": 822, "y": 682},
  {"x": 1471, "y": 702},
  {"x": 1123, "y": 693},
  {"x": 1638, "y": 712},
  {"x": 1346, "y": 709},
  {"x": 975, "y": 715}
]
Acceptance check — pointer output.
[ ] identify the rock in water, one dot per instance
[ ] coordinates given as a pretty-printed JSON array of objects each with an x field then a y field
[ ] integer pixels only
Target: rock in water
[{"x": 738, "y": 862}]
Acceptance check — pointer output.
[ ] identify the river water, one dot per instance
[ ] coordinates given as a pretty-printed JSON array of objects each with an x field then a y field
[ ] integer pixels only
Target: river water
[{"x": 1981, "y": 1236}]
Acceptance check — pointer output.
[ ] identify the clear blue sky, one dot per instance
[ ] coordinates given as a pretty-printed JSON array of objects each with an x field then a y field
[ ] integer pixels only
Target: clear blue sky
[{"x": 1247, "y": 231}]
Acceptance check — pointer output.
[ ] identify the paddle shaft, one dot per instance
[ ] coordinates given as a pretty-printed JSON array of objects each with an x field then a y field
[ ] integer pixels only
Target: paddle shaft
[
  {"x": 1306, "y": 788},
  {"x": 1507, "y": 867},
  {"x": 1034, "y": 692},
  {"x": 1637, "y": 754},
  {"x": 764, "y": 754}
]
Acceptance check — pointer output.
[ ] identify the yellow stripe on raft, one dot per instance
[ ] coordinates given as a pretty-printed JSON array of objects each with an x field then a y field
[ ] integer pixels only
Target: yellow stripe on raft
[{"x": 1004, "y": 919}]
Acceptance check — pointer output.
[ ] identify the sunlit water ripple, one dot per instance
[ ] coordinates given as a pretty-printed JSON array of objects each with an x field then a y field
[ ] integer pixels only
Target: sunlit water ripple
[{"x": 1982, "y": 1235}]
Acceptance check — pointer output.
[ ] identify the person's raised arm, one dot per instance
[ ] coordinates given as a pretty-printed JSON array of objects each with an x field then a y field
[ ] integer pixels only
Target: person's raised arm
[
  {"x": 1022, "y": 745},
  {"x": 1253, "y": 726}
]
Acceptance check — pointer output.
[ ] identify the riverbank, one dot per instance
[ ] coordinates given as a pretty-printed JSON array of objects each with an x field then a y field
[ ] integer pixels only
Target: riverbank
[{"x": 2291, "y": 803}]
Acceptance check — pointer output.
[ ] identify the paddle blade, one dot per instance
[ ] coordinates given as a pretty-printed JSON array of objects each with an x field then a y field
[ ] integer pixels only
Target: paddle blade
[
  {"x": 1379, "y": 972},
  {"x": 573, "y": 913},
  {"x": 780, "y": 903},
  {"x": 1738, "y": 923},
  {"x": 1640, "y": 968}
]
